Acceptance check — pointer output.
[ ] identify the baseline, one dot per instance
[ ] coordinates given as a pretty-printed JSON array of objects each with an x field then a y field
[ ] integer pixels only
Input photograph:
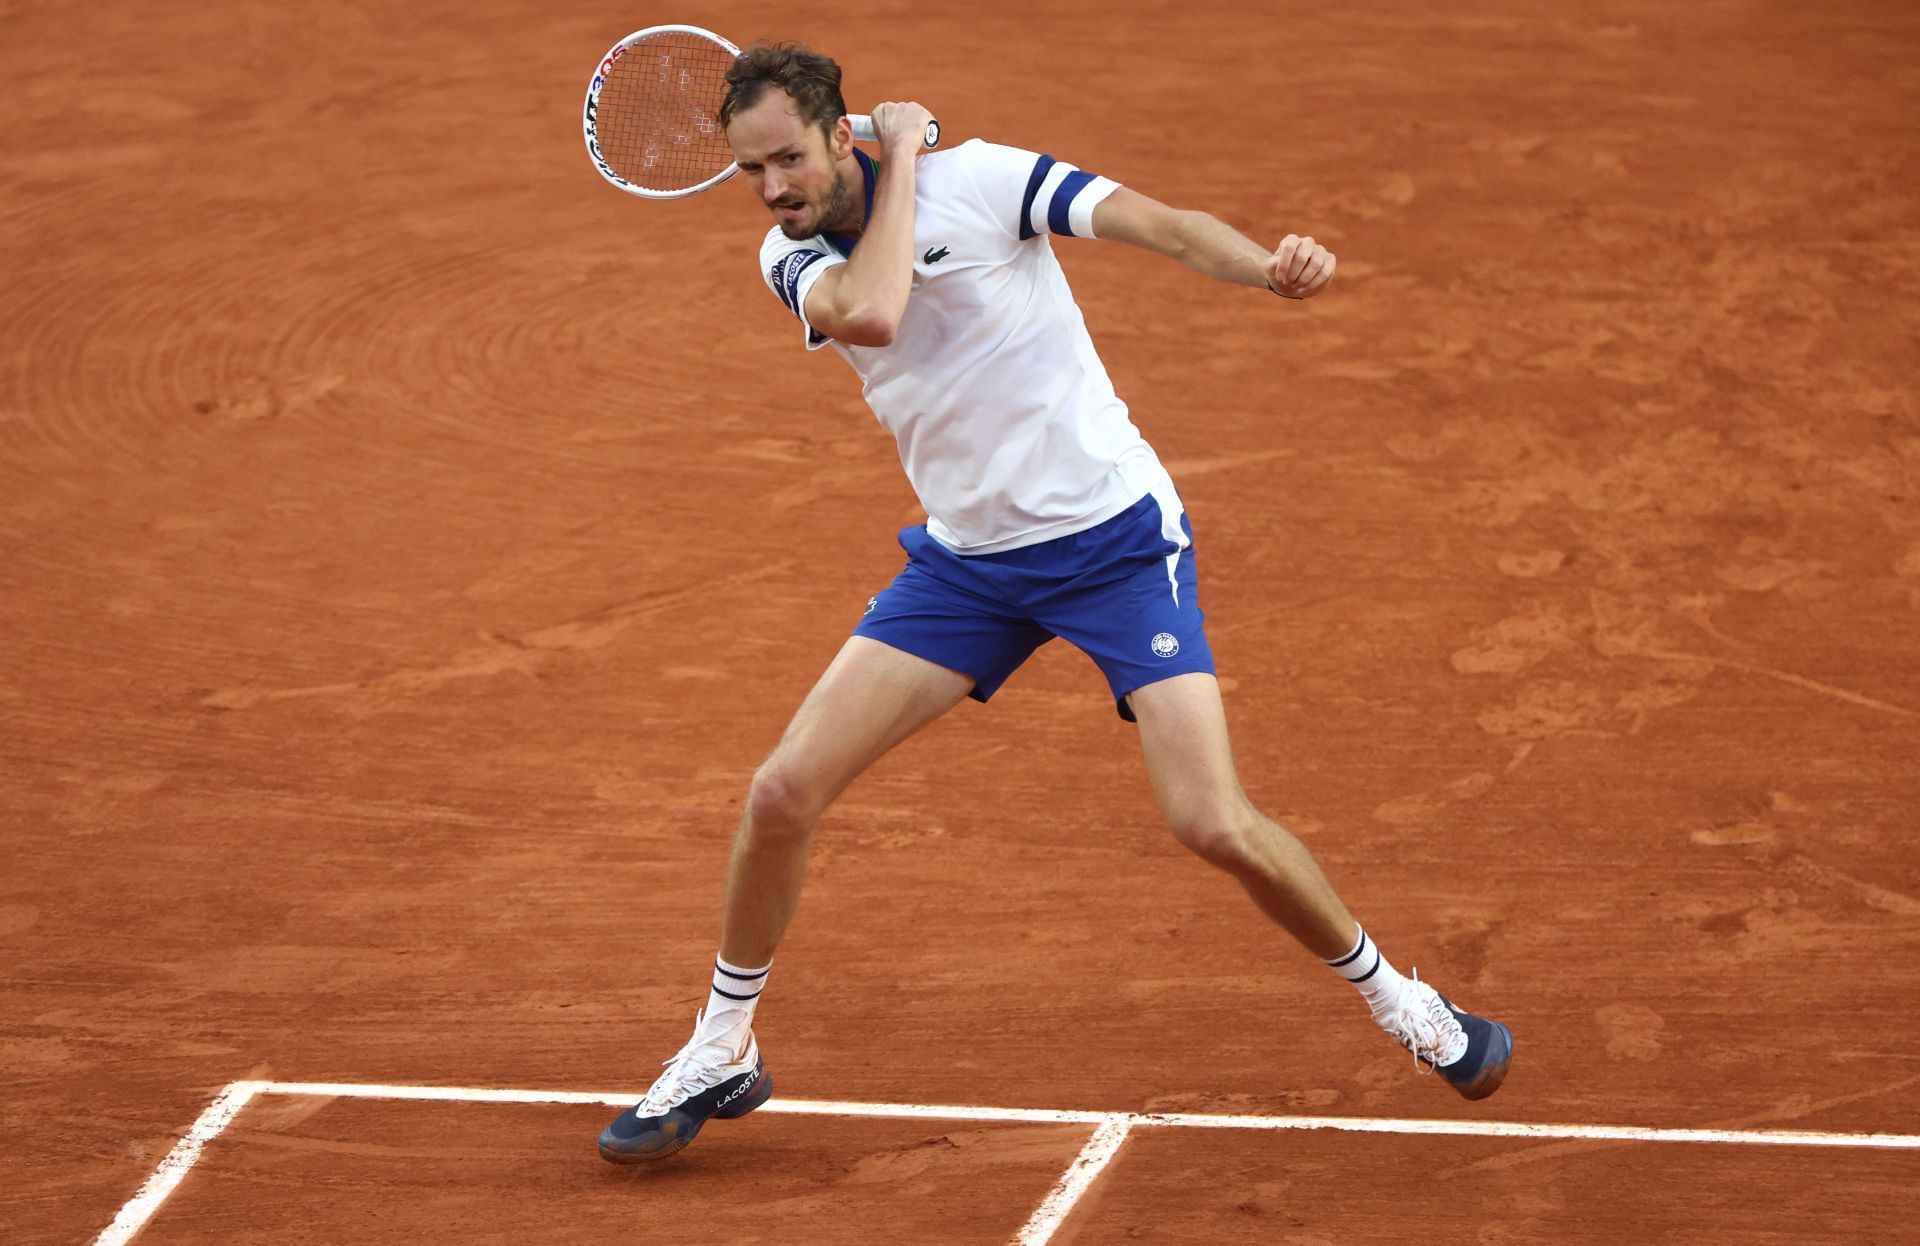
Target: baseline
[{"x": 1111, "y": 1130}]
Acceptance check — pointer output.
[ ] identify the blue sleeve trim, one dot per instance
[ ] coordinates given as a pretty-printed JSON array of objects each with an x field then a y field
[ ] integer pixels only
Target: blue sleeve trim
[
  {"x": 1040, "y": 168},
  {"x": 786, "y": 275},
  {"x": 1070, "y": 186}
]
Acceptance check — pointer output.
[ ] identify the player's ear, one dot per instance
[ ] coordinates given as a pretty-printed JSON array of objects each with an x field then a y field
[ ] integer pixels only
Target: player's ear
[{"x": 840, "y": 142}]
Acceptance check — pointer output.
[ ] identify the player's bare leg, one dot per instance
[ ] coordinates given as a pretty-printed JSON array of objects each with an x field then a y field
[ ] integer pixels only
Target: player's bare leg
[
  {"x": 871, "y": 697},
  {"x": 1183, "y": 732}
]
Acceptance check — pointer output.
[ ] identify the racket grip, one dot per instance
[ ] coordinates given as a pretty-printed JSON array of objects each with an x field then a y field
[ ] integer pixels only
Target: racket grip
[{"x": 863, "y": 130}]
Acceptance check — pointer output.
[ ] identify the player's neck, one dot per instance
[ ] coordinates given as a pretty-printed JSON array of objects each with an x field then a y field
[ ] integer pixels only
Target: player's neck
[{"x": 853, "y": 218}]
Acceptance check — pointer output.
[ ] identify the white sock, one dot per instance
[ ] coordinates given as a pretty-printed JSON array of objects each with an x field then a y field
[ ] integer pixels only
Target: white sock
[
  {"x": 1370, "y": 974},
  {"x": 735, "y": 990}
]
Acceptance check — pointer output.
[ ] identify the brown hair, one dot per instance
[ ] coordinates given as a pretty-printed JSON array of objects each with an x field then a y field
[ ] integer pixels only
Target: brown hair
[{"x": 810, "y": 79}]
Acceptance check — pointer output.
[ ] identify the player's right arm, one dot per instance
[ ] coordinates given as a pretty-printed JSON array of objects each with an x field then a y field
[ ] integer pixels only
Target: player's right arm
[{"x": 861, "y": 302}]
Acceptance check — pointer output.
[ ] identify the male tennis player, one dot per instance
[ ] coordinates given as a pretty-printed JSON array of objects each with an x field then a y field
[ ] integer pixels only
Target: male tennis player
[{"x": 1047, "y": 515}]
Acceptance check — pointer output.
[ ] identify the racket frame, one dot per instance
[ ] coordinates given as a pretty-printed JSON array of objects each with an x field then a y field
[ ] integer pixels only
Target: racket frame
[
  {"x": 862, "y": 124},
  {"x": 601, "y": 72}
]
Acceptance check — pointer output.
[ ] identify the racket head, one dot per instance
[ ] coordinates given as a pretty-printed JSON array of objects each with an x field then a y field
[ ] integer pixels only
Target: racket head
[{"x": 652, "y": 113}]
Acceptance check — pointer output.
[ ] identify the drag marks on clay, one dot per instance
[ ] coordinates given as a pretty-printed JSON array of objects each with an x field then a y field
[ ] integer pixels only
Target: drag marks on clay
[
  {"x": 1785, "y": 677},
  {"x": 499, "y": 655},
  {"x": 1651, "y": 562},
  {"x": 1764, "y": 565},
  {"x": 1422, "y": 808},
  {"x": 18, "y": 919},
  {"x": 1192, "y": 468},
  {"x": 1814, "y": 873},
  {"x": 128, "y": 373},
  {"x": 1521, "y": 641},
  {"x": 252, "y": 398},
  {"x": 97, "y": 803},
  {"x": 495, "y": 657},
  {"x": 412, "y": 359},
  {"x": 1553, "y": 710},
  {"x": 1793, "y": 1107},
  {"x": 1907, "y": 567},
  {"x": 1631, "y": 1031},
  {"x": 270, "y": 1115},
  {"x": 1800, "y": 1105},
  {"x": 1613, "y": 626},
  {"x": 1373, "y": 371},
  {"x": 523, "y": 572},
  {"x": 1792, "y": 910},
  {"x": 1532, "y": 565},
  {"x": 1740, "y": 833},
  {"x": 1239, "y": 1103},
  {"x": 709, "y": 791},
  {"x": 835, "y": 482},
  {"x": 861, "y": 828},
  {"x": 1259, "y": 622}
]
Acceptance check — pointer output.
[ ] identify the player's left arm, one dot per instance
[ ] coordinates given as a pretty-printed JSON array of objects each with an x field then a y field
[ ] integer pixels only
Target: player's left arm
[{"x": 1298, "y": 268}]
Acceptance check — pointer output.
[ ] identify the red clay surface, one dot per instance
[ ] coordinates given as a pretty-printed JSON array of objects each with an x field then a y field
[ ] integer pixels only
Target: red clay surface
[
  {"x": 1193, "y": 1186},
  {"x": 409, "y": 546},
  {"x": 360, "y": 1171}
]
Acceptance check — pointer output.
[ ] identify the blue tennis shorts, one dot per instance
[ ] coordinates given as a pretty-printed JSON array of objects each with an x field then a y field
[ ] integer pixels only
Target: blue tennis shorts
[{"x": 1124, "y": 592}]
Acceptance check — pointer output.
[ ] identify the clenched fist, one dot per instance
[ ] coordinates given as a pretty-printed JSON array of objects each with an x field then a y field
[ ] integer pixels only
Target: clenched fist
[
  {"x": 900, "y": 129},
  {"x": 1300, "y": 269}
]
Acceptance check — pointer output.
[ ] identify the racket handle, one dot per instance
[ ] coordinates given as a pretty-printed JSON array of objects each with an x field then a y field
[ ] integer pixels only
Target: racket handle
[{"x": 863, "y": 130}]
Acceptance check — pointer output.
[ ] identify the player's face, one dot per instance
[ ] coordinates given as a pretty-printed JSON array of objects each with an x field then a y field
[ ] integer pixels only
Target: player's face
[{"x": 791, "y": 165}]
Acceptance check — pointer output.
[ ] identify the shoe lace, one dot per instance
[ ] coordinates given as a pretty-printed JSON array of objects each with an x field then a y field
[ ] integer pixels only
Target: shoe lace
[
  {"x": 698, "y": 1066},
  {"x": 1426, "y": 1027}
]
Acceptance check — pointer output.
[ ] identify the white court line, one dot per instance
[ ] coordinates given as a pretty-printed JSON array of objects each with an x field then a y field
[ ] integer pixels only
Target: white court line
[
  {"x": 1112, "y": 1129},
  {"x": 1054, "y": 1208},
  {"x": 1172, "y": 1120},
  {"x": 134, "y": 1216}
]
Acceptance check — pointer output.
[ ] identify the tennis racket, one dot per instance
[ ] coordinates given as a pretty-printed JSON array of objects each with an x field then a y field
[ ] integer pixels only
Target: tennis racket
[{"x": 652, "y": 117}]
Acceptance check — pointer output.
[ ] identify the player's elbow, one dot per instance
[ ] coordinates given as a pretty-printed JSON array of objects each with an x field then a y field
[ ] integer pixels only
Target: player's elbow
[
  {"x": 868, "y": 328},
  {"x": 1180, "y": 239}
]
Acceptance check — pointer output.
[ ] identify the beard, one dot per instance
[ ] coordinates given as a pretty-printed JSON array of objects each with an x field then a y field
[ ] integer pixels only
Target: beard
[{"x": 831, "y": 212}]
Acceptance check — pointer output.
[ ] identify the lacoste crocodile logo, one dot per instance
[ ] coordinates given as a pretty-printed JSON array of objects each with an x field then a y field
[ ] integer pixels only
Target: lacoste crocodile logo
[{"x": 935, "y": 255}]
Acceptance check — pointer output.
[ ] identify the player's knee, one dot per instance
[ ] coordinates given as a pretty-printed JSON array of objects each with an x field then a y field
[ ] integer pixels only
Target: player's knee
[
  {"x": 778, "y": 802},
  {"x": 1215, "y": 831}
]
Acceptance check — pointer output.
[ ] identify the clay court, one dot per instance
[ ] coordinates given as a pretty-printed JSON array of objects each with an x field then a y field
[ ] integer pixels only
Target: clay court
[{"x": 409, "y": 546}]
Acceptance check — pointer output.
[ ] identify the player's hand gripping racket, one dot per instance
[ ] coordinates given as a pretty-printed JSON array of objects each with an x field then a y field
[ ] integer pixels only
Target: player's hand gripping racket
[{"x": 652, "y": 118}]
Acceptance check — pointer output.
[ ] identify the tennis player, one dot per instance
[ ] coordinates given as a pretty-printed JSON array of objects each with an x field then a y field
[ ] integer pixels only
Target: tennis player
[{"x": 1047, "y": 515}]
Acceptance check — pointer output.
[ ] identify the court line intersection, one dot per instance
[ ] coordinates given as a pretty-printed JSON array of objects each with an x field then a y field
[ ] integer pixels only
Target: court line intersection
[{"x": 1111, "y": 1130}]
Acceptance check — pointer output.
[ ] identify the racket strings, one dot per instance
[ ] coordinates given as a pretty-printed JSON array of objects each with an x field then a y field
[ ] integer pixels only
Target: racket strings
[{"x": 658, "y": 116}]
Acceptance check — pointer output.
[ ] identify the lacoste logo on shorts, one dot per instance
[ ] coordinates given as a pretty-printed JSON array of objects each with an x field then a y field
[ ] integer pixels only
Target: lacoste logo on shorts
[
  {"x": 872, "y": 603},
  {"x": 1165, "y": 645}
]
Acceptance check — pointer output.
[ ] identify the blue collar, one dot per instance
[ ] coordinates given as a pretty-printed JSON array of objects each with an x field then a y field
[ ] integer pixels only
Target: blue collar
[{"x": 844, "y": 243}]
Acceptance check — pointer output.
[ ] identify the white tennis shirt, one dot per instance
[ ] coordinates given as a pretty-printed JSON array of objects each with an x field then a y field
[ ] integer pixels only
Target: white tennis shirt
[{"x": 1006, "y": 421}]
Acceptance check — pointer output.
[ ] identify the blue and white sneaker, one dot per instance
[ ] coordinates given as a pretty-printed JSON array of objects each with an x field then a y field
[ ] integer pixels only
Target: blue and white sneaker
[
  {"x": 718, "y": 1073},
  {"x": 1471, "y": 1053}
]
